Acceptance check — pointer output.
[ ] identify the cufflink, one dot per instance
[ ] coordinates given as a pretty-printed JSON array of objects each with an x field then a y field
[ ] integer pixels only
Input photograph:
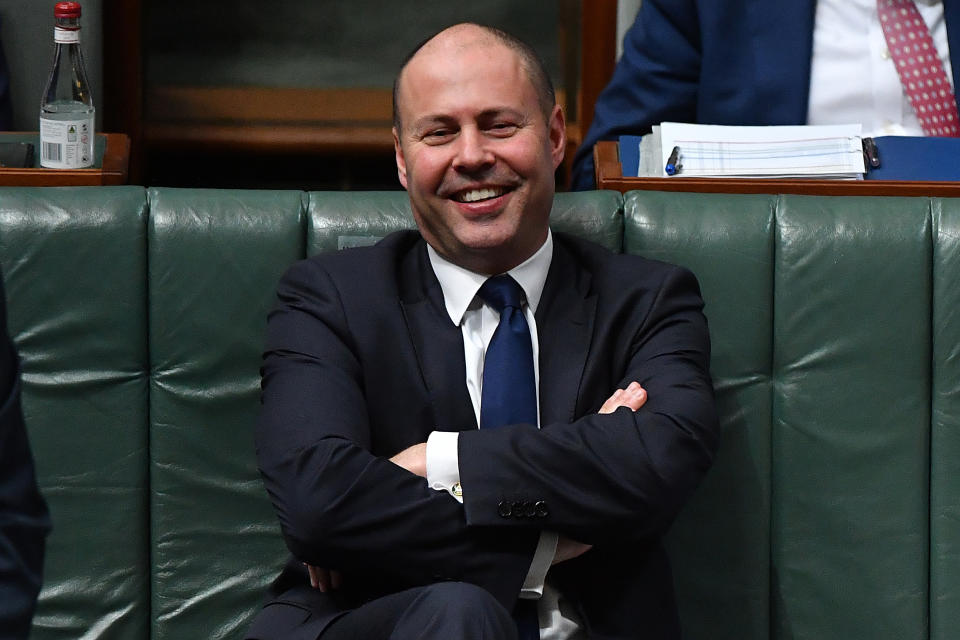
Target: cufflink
[{"x": 457, "y": 490}]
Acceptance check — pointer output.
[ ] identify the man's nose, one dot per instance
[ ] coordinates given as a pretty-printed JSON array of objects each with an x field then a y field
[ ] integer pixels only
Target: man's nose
[{"x": 473, "y": 151}]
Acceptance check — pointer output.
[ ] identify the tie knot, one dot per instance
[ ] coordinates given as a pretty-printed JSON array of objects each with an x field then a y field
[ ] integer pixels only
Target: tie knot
[{"x": 500, "y": 292}]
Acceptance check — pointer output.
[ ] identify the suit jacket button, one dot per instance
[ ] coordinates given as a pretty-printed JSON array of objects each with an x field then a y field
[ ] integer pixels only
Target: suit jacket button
[
  {"x": 529, "y": 509},
  {"x": 504, "y": 509},
  {"x": 541, "y": 509},
  {"x": 517, "y": 509}
]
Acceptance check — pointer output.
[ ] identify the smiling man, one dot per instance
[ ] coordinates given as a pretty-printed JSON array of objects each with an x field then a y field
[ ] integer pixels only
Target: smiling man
[
  {"x": 477, "y": 151},
  {"x": 480, "y": 429}
]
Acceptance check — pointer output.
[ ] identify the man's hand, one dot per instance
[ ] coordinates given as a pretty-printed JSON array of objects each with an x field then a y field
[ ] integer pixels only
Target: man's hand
[
  {"x": 323, "y": 579},
  {"x": 413, "y": 459},
  {"x": 633, "y": 397}
]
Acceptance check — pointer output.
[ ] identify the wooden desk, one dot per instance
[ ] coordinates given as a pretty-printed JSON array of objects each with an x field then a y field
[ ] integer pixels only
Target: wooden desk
[
  {"x": 112, "y": 152},
  {"x": 609, "y": 175}
]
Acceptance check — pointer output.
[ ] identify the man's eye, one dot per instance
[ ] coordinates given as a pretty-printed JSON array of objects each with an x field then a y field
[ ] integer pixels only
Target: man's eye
[
  {"x": 438, "y": 135},
  {"x": 503, "y": 128}
]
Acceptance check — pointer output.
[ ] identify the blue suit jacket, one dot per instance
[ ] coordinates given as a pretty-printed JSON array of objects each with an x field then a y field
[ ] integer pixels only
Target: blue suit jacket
[
  {"x": 743, "y": 62},
  {"x": 363, "y": 361}
]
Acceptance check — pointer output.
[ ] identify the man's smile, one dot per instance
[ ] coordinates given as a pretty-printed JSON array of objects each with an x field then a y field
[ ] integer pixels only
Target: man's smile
[{"x": 475, "y": 195}]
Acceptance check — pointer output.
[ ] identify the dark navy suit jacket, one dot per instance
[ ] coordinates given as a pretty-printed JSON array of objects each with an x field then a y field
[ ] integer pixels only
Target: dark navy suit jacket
[
  {"x": 24, "y": 521},
  {"x": 735, "y": 62},
  {"x": 362, "y": 361}
]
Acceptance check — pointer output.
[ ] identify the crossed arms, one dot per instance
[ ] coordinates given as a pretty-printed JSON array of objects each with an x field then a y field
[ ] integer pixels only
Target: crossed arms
[{"x": 414, "y": 460}]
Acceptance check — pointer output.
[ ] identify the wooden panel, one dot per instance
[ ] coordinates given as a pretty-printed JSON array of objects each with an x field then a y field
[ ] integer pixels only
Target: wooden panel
[
  {"x": 123, "y": 77},
  {"x": 598, "y": 54},
  {"x": 116, "y": 157},
  {"x": 278, "y": 138},
  {"x": 273, "y": 104}
]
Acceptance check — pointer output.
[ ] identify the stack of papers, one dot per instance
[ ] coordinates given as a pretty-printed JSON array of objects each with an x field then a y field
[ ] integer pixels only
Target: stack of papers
[{"x": 707, "y": 151}]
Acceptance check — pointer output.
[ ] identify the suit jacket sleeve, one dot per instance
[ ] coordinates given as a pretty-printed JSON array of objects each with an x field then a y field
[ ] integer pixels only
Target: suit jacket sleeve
[
  {"x": 24, "y": 521},
  {"x": 625, "y": 475},
  {"x": 655, "y": 80},
  {"x": 341, "y": 506}
]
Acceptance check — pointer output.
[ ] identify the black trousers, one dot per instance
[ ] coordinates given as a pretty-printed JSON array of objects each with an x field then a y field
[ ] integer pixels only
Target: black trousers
[{"x": 442, "y": 611}]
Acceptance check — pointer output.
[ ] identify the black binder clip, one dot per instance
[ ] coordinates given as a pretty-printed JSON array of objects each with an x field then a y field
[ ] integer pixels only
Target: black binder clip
[{"x": 871, "y": 155}]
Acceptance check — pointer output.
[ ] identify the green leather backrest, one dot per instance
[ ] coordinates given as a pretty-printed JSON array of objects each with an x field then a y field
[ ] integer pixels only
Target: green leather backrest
[
  {"x": 851, "y": 418},
  {"x": 720, "y": 549},
  {"x": 945, "y": 435},
  {"x": 74, "y": 261},
  {"x": 214, "y": 260},
  {"x": 817, "y": 508}
]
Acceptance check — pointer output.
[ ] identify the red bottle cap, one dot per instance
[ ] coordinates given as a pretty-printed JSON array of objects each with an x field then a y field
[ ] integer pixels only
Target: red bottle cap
[{"x": 66, "y": 10}]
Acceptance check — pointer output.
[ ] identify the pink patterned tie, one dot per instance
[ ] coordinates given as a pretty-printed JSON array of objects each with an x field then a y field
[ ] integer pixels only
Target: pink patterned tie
[{"x": 921, "y": 72}]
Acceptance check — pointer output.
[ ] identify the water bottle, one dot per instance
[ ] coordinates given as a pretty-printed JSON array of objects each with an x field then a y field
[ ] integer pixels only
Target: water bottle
[{"x": 66, "y": 110}]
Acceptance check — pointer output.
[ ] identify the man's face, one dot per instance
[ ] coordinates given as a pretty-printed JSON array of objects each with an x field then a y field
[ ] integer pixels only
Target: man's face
[{"x": 476, "y": 153}]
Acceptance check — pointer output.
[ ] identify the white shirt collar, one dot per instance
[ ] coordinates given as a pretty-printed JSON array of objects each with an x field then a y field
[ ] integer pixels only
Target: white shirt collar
[{"x": 460, "y": 285}]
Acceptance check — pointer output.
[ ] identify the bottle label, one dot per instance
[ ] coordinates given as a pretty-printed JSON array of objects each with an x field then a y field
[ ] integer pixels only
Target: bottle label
[
  {"x": 66, "y": 144},
  {"x": 66, "y": 36}
]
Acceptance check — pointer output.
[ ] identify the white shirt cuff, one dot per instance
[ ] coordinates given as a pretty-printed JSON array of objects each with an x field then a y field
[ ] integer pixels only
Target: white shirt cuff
[
  {"x": 443, "y": 463},
  {"x": 532, "y": 587},
  {"x": 443, "y": 474}
]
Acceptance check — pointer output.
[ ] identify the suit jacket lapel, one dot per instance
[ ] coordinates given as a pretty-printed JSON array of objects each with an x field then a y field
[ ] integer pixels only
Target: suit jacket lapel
[
  {"x": 565, "y": 319},
  {"x": 438, "y": 343}
]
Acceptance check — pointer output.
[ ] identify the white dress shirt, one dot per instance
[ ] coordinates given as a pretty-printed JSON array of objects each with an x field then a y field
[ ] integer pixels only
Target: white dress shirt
[
  {"x": 852, "y": 75},
  {"x": 478, "y": 321}
]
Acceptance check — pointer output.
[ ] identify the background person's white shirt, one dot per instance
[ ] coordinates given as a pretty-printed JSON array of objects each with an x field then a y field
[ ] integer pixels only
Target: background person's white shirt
[{"x": 852, "y": 75}]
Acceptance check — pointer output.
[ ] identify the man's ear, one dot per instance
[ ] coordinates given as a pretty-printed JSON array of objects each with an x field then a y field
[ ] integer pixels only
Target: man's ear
[
  {"x": 401, "y": 162},
  {"x": 558, "y": 135}
]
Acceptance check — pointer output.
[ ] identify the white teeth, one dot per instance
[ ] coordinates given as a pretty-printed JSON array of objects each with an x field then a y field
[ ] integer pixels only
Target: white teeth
[{"x": 478, "y": 194}]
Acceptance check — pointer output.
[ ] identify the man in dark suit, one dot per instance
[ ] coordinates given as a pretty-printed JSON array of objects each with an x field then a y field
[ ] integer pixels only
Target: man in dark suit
[
  {"x": 405, "y": 519},
  {"x": 24, "y": 522},
  {"x": 740, "y": 62}
]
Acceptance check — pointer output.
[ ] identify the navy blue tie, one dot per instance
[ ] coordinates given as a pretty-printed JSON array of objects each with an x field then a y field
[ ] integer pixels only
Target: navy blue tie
[{"x": 509, "y": 391}]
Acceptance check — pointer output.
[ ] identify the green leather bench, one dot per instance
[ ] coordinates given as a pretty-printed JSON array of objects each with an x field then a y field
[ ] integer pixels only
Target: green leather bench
[{"x": 833, "y": 509}]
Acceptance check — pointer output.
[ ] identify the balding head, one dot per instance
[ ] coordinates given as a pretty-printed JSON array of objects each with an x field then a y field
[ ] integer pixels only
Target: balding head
[
  {"x": 466, "y": 35},
  {"x": 477, "y": 145}
]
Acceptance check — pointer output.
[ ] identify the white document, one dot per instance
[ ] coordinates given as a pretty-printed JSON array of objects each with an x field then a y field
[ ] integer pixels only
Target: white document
[{"x": 802, "y": 151}]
